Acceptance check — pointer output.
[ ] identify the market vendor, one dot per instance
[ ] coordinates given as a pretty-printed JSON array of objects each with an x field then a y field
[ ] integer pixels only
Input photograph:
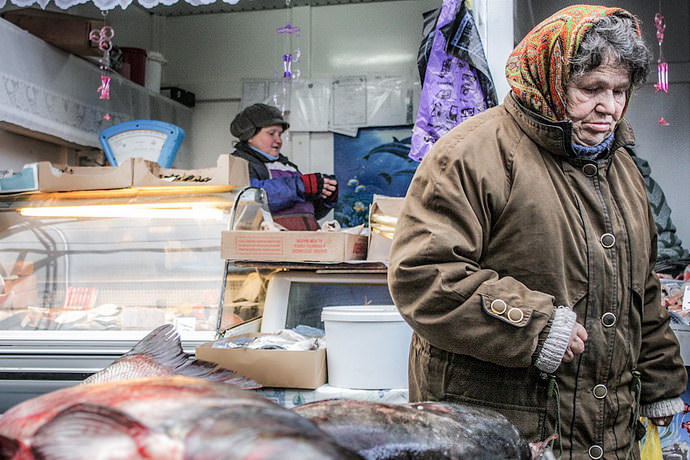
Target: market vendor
[
  {"x": 523, "y": 257},
  {"x": 296, "y": 200}
]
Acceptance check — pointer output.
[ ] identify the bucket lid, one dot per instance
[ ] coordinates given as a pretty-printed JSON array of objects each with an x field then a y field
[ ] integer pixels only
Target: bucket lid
[
  {"x": 361, "y": 313},
  {"x": 155, "y": 56}
]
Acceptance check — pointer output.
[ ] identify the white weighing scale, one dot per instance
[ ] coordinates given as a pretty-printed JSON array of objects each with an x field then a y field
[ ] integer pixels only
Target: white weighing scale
[{"x": 148, "y": 139}]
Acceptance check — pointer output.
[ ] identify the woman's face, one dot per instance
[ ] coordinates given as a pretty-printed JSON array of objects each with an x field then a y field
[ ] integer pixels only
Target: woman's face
[
  {"x": 268, "y": 140},
  {"x": 595, "y": 102}
]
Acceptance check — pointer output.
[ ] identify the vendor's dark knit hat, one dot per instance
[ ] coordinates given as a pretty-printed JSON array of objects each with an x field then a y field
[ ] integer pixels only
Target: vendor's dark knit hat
[{"x": 249, "y": 121}]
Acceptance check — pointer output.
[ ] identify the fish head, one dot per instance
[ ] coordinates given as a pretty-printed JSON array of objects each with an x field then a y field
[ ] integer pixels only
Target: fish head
[{"x": 89, "y": 431}]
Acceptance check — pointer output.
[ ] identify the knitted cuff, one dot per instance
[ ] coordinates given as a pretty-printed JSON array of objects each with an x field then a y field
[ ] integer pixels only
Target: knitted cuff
[
  {"x": 662, "y": 408},
  {"x": 313, "y": 184},
  {"x": 557, "y": 341}
]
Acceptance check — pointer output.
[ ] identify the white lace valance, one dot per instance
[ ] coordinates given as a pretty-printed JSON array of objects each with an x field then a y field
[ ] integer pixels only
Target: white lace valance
[
  {"x": 106, "y": 5},
  {"x": 50, "y": 91}
]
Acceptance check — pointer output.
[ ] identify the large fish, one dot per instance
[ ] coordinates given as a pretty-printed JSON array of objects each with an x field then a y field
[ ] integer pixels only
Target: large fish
[
  {"x": 161, "y": 418},
  {"x": 429, "y": 430},
  {"x": 160, "y": 354}
]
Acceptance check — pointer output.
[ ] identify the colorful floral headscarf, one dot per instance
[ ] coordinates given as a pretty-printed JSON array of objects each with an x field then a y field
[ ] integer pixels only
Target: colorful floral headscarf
[{"x": 538, "y": 69}]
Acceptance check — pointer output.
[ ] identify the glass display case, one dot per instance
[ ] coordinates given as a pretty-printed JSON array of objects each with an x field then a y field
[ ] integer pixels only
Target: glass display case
[{"x": 85, "y": 275}]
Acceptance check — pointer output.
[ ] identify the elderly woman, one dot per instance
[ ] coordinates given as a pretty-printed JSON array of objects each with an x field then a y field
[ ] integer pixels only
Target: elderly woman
[{"x": 523, "y": 256}]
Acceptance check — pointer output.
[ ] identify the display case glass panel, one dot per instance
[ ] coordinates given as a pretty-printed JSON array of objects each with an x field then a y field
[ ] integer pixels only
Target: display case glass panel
[{"x": 114, "y": 260}]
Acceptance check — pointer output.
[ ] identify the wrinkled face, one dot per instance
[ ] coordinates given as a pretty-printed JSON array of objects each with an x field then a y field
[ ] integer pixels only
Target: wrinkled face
[
  {"x": 268, "y": 140},
  {"x": 595, "y": 102}
]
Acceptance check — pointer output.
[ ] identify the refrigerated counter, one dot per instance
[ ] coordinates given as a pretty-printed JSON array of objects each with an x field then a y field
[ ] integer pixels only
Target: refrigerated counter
[{"x": 85, "y": 275}]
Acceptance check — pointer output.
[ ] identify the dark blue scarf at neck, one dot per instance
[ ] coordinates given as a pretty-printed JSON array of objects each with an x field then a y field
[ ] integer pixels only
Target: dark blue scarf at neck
[{"x": 586, "y": 152}]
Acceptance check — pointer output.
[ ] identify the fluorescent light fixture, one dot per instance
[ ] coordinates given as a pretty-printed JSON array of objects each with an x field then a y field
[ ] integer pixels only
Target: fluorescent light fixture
[{"x": 183, "y": 210}]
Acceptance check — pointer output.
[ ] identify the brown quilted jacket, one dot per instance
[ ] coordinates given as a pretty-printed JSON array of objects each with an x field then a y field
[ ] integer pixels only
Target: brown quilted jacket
[{"x": 501, "y": 209}]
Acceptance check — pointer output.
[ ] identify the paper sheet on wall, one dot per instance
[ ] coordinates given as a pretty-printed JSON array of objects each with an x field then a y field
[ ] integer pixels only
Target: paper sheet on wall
[
  {"x": 279, "y": 94},
  {"x": 341, "y": 105},
  {"x": 272, "y": 92},
  {"x": 253, "y": 91},
  {"x": 349, "y": 102},
  {"x": 310, "y": 105},
  {"x": 387, "y": 101}
]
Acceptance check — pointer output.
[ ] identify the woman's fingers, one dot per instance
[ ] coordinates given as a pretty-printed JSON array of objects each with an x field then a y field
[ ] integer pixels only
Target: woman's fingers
[
  {"x": 568, "y": 355},
  {"x": 576, "y": 346},
  {"x": 329, "y": 187}
]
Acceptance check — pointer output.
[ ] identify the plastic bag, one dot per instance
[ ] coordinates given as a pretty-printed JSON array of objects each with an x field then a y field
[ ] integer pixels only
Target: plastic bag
[{"x": 651, "y": 449}]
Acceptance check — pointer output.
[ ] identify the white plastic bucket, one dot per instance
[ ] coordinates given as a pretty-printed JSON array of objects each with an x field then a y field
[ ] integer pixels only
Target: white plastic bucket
[
  {"x": 367, "y": 346},
  {"x": 154, "y": 70}
]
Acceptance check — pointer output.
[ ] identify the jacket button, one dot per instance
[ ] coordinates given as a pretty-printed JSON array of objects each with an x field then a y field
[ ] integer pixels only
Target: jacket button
[
  {"x": 515, "y": 315},
  {"x": 608, "y": 319},
  {"x": 600, "y": 391},
  {"x": 595, "y": 452},
  {"x": 607, "y": 240},
  {"x": 590, "y": 169},
  {"x": 498, "y": 306}
]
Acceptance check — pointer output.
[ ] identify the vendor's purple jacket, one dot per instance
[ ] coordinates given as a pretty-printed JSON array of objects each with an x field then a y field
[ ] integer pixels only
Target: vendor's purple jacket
[{"x": 282, "y": 182}]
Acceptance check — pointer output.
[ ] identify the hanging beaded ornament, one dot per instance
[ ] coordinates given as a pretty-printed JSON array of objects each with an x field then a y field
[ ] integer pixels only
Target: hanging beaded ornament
[
  {"x": 103, "y": 39},
  {"x": 661, "y": 66}
]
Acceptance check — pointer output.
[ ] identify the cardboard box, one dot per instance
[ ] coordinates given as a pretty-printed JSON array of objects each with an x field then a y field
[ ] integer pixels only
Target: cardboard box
[
  {"x": 293, "y": 246},
  {"x": 383, "y": 216},
  {"x": 270, "y": 368},
  {"x": 66, "y": 31},
  {"x": 229, "y": 170},
  {"x": 45, "y": 177}
]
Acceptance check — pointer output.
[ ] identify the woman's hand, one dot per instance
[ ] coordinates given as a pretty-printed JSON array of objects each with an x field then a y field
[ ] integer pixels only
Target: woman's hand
[
  {"x": 329, "y": 187},
  {"x": 577, "y": 343}
]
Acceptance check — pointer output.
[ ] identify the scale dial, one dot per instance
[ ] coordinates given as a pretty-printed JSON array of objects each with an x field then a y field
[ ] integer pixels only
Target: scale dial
[
  {"x": 139, "y": 143},
  {"x": 148, "y": 139}
]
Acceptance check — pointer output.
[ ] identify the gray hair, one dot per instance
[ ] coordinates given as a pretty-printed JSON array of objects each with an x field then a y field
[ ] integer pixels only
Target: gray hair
[{"x": 613, "y": 37}]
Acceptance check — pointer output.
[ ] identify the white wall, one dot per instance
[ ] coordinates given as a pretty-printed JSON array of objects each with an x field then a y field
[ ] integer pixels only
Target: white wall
[{"x": 494, "y": 19}]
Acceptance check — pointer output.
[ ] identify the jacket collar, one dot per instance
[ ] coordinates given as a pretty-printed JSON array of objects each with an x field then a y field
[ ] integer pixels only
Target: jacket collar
[
  {"x": 246, "y": 149},
  {"x": 556, "y": 136}
]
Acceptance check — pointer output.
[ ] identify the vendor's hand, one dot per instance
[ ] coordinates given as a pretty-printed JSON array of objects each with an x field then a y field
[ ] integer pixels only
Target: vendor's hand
[
  {"x": 577, "y": 343},
  {"x": 330, "y": 188},
  {"x": 661, "y": 421}
]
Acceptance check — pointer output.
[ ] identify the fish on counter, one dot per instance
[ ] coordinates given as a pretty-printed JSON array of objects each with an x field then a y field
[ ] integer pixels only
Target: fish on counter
[
  {"x": 161, "y": 418},
  {"x": 436, "y": 430},
  {"x": 155, "y": 403},
  {"x": 160, "y": 354}
]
